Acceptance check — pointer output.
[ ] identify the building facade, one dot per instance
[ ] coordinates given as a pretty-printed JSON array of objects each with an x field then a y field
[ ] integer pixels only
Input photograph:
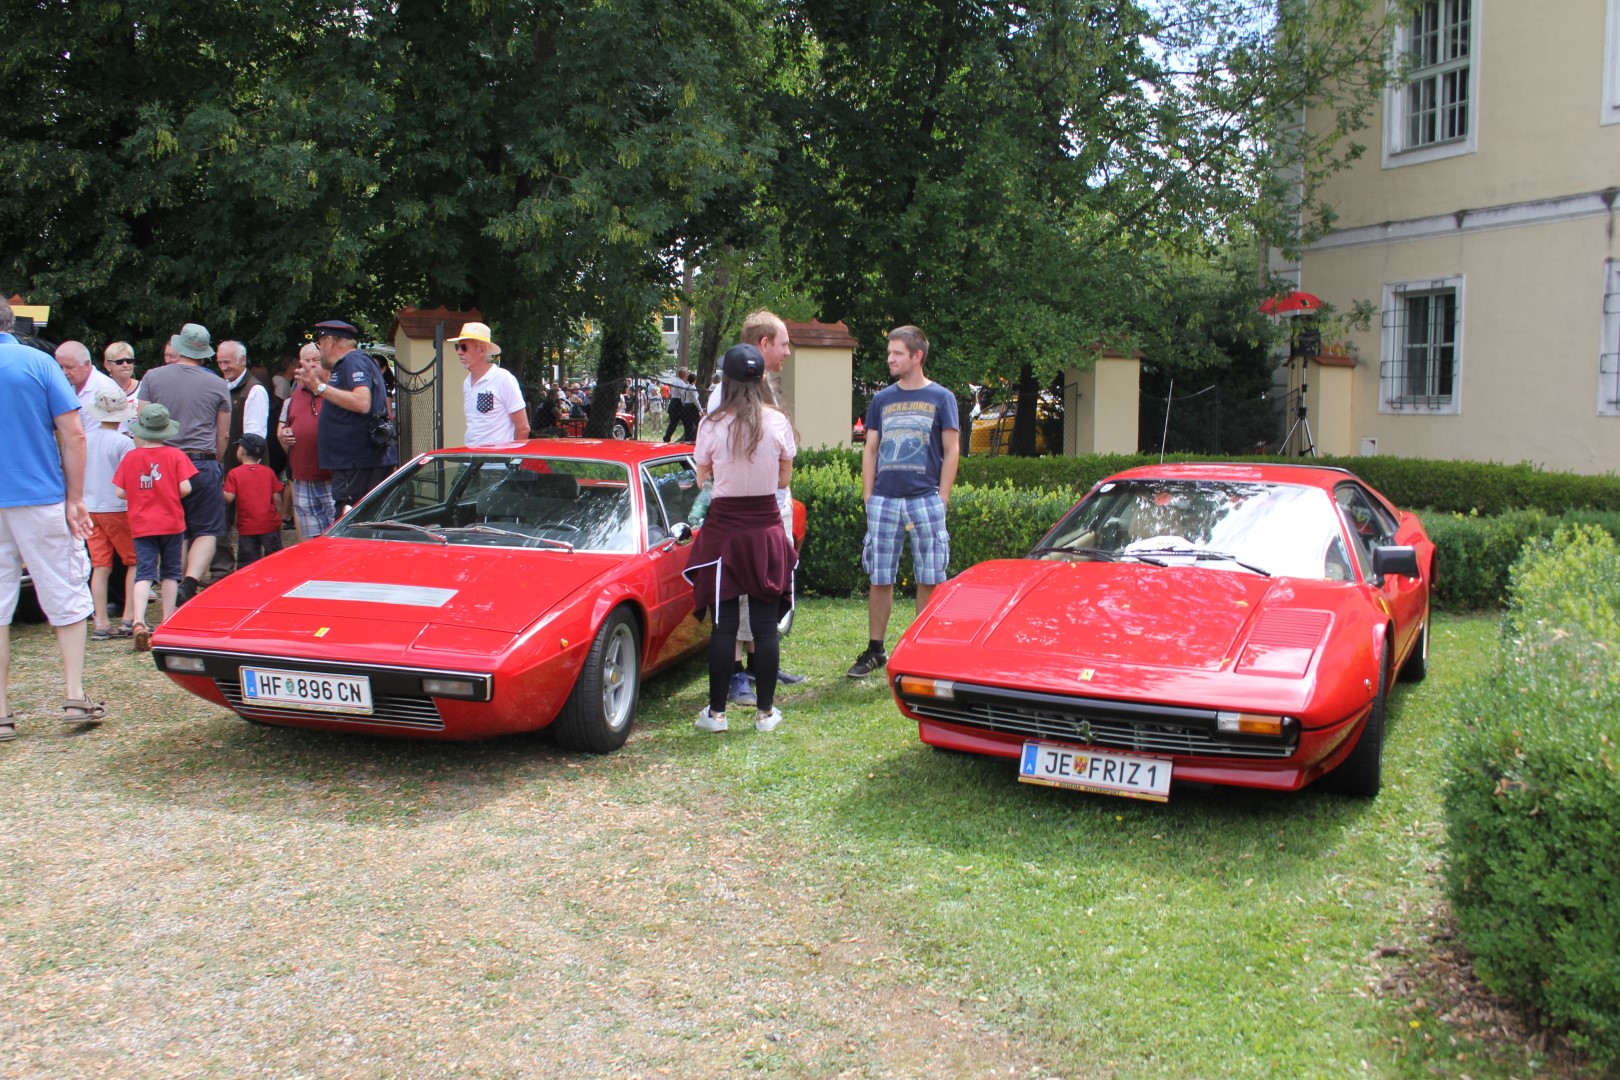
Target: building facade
[{"x": 1484, "y": 230}]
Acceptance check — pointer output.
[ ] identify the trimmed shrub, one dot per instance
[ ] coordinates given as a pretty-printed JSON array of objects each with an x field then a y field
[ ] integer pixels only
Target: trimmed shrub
[
  {"x": 1000, "y": 522},
  {"x": 1532, "y": 797},
  {"x": 1474, "y": 555}
]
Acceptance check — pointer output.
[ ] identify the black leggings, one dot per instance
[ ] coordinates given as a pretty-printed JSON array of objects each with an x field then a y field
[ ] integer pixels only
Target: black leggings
[{"x": 762, "y": 618}]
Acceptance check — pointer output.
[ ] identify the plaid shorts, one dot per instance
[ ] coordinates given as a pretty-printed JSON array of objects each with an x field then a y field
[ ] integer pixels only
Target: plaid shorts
[
  {"x": 312, "y": 506},
  {"x": 887, "y": 523}
]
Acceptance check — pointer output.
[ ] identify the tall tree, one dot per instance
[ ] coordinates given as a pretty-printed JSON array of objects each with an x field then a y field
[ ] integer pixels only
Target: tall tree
[{"x": 992, "y": 171}]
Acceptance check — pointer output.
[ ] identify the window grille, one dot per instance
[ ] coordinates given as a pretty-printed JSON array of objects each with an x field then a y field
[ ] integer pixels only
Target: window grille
[
  {"x": 1419, "y": 367},
  {"x": 1609, "y": 352},
  {"x": 1438, "y": 48}
]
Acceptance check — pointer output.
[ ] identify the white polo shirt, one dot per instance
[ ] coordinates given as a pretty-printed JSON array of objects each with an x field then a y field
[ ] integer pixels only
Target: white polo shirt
[{"x": 489, "y": 404}]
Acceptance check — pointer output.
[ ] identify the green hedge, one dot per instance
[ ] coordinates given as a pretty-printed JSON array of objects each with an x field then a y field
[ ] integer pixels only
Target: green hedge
[
  {"x": 1414, "y": 483},
  {"x": 1532, "y": 799}
]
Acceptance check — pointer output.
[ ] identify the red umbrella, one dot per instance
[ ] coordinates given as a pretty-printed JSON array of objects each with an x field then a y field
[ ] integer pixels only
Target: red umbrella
[{"x": 1297, "y": 302}]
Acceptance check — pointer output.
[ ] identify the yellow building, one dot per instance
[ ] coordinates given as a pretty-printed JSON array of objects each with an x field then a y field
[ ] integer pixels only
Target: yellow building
[{"x": 1484, "y": 228}]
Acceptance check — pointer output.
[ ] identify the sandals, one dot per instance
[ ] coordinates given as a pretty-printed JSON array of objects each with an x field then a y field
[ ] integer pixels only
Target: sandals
[
  {"x": 103, "y": 633},
  {"x": 83, "y": 711},
  {"x": 143, "y": 637},
  {"x": 125, "y": 629},
  {"x": 8, "y": 727}
]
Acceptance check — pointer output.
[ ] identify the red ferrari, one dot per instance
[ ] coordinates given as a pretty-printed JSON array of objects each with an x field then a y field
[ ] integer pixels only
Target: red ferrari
[
  {"x": 1219, "y": 624},
  {"x": 474, "y": 593}
]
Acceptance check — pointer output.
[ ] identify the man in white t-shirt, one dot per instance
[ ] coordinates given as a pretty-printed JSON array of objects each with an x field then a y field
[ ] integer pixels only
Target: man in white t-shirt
[{"x": 491, "y": 397}]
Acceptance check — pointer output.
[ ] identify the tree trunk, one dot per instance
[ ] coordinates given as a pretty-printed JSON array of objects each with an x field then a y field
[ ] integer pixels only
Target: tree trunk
[
  {"x": 1029, "y": 398},
  {"x": 610, "y": 372}
]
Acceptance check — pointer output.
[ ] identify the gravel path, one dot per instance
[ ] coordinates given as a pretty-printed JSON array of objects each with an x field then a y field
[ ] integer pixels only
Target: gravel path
[{"x": 184, "y": 894}]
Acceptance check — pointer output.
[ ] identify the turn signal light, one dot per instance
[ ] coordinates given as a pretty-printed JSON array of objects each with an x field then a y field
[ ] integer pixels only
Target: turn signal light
[
  {"x": 934, "y": 688},
  {"x": 1234, "y": 723},
  {"x": 461, "y": 688},
  {"x": 192, "y": 664}
]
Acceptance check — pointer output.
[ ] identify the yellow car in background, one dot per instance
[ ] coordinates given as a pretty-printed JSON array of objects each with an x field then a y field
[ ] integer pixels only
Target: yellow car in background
[{"x": 993, "y": 428}]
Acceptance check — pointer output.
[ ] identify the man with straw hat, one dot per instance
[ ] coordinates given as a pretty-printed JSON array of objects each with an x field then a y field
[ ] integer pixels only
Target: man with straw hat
[{"x": 490, "y": 396}]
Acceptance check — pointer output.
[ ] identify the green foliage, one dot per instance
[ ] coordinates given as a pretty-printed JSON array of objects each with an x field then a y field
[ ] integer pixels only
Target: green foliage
[
  {"x": 1475, "y": 555},
  {"x": 1532, "y": 800},
  {"x": 999, "y": 522}
]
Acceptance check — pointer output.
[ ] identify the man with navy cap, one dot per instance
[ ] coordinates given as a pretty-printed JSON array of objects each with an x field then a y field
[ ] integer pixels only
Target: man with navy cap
[{"x": 353, "y": 397}]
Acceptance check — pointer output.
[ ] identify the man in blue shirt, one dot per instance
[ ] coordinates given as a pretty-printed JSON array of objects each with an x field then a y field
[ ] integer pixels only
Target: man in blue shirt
[
  {"x": 43, "y": 519},
  {"x": 908, "y": 466},
  {"x": 353, "y": 396}
]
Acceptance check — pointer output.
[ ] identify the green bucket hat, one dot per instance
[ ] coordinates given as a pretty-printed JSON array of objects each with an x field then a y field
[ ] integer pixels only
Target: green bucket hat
[
  {"x": 192, "y": 342},
  {"x": 154, "y": 424}
]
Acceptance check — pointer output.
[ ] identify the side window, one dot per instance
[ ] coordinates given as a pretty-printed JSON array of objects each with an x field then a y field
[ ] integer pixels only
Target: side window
[
  {"x": 1367, "y": 522},
  {"x": 672, "y": 485}
]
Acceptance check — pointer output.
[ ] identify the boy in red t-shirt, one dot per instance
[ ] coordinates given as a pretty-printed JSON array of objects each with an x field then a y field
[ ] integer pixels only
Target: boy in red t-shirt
[
  {"x": 256, "y": 492},
  {"x": 152, "y": 479}
]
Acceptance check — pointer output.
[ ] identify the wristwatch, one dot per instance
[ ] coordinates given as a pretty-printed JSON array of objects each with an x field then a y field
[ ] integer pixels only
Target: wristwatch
[{"x": 320, "y": 389}]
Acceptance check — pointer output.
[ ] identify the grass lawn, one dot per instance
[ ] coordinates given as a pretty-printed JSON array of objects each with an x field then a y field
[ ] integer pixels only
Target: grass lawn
[
  {"x": 831, "y": 899},
  {"x": 1225, "y": 933}
]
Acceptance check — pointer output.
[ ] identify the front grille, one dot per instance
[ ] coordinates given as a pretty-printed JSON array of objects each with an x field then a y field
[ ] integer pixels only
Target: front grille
[
  {"x": 1116, "y": 725},
  {"x": 388, "y": 710}
]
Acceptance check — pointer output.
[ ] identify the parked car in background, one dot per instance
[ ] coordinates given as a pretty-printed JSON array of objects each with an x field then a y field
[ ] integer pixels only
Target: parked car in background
[
  {"x": 992, "y": 430},
  {"x": 476, "y": 592},
  {"x": 624, "y": 426},
  {"x": 1221, "y": 624}
]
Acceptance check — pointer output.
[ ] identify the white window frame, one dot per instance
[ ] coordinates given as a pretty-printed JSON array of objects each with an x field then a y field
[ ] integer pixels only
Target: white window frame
[
  {"x": 1396, "y": 150},
  {"x": 1392, "y": 369},
  {"x": 670, "y": 324},
  {"x": 1611, "y": 65},
  {"x": 1608, "y": 402}
]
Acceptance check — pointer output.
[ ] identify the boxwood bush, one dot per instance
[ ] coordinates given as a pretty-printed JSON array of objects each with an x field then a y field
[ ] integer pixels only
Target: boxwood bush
[
  {"x": 1003, "y": 504},
  {"x": 1415, "y": 483},
  {"x": 1532, "y": 798}
]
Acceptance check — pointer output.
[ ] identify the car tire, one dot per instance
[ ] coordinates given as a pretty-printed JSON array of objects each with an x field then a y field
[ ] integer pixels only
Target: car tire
[
  {"x": 620, "y": 430},
  {"x": 1417, "y": 665},
  {"x": 1361, "y": 774},
  {"x": 602, "y": 706}
]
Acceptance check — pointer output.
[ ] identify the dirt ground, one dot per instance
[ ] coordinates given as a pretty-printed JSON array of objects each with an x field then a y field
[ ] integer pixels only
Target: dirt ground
[{"x": 184, "y": 894}]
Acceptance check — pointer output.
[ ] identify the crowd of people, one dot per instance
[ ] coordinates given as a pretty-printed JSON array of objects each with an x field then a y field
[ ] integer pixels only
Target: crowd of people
[
  {"x": 153, "y": 471},
  {"x": 183, "y": 475}
]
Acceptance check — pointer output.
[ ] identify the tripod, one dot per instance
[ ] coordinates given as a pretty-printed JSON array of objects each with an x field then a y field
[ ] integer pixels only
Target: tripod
[{"x": 1302, "y": 422}]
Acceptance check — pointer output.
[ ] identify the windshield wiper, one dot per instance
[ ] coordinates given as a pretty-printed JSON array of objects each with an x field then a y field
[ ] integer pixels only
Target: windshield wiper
[
  {"x": 1196, "y": 554},
  {"x": 1077, "y": 549},
  {"x": 390, "y": 523},
  {"x": 491, "y": 530}
]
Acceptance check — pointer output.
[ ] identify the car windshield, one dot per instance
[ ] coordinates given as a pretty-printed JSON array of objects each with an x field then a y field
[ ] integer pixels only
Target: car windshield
[
  {"x": 1239, "y": 525},
  {"x": 501, "y": 500}
]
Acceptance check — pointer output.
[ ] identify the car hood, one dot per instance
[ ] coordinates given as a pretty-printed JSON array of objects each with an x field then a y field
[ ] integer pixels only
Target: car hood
[
  {"x": 407, "y": 585},
  {"x": 1090, "y": 613}
]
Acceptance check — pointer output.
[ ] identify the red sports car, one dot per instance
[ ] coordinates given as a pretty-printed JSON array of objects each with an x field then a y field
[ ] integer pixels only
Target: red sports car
[
  {"x": 1222, "y": 624},
  {"x": 474, "y": 593}
]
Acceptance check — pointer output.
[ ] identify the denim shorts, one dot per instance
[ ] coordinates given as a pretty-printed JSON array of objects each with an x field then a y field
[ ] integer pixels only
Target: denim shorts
[
  {"x": 152, "y": 550},
  {"x": 205, "y": 506},
  {"x": 887, "y": 523}
]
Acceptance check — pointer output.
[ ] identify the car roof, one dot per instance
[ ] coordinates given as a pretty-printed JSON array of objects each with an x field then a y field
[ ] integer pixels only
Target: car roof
[
  {"x": 1320, "y": 476},
  {"x": 629, "y": 451}
]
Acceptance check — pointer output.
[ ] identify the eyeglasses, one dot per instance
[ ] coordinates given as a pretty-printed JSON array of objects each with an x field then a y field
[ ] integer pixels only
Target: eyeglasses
[
  {"x": 123, "y": 360},
  {"x": 462, "y": 346}
]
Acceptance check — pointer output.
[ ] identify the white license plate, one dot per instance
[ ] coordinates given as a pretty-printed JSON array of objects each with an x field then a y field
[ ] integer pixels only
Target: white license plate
[
  {"x": 280, "y": 689},
  {"x": 1087, "y": 770}
]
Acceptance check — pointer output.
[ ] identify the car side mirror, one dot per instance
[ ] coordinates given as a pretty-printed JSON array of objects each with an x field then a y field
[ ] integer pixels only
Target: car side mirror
[
  {"x": 681, "y": 533},
  {"x": 1395, "y": 559}
]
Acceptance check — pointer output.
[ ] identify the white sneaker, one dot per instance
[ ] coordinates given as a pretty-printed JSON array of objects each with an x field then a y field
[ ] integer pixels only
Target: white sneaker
[
  {"x": 707, "y": 721},
  {"x": 767, "y": 721}
]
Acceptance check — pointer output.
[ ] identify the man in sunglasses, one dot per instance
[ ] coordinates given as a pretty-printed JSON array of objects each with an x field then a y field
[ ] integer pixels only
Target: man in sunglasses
[
  {"x": 490, "y": 396},
  {"x": 352, "y": 394}
]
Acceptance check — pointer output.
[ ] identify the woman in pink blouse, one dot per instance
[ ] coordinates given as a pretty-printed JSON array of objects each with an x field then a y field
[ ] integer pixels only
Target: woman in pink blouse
[{"x": 746, "y": 447}]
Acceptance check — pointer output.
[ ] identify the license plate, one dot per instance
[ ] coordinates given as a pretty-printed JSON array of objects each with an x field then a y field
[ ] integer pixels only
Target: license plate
[
  {"x": 279, "y": 689},
  {"x": 1087, "y": 770}
]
